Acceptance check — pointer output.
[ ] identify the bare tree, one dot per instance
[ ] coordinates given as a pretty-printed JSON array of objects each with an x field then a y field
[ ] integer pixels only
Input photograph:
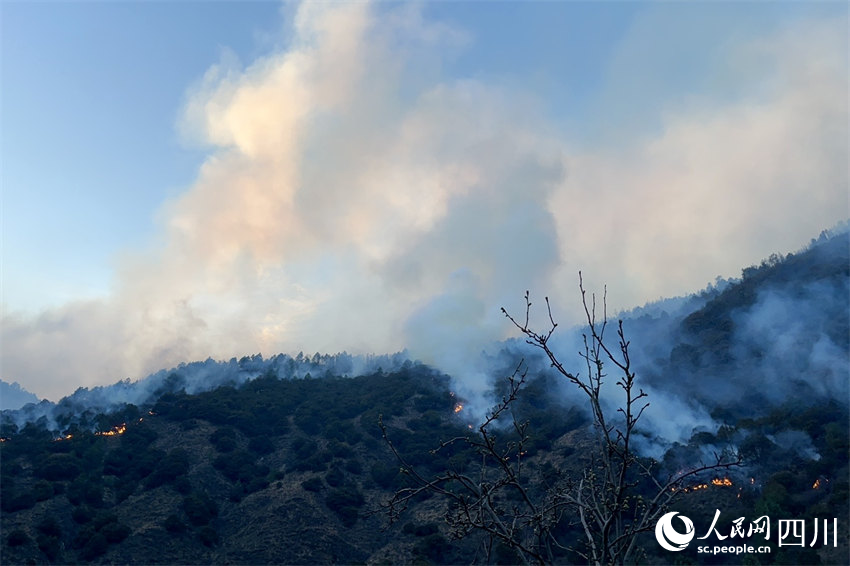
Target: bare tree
[
  {"x": 617, "y": 496},
  {"x": 496, "y": 499}
]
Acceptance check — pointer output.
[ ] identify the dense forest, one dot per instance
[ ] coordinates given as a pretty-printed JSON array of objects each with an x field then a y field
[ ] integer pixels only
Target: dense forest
[{"x": 276, "y": 467}]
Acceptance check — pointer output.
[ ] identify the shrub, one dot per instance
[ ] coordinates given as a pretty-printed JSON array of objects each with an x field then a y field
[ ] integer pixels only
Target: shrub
[
  {"x": 17, "y": 502},
  {"x": 174, "y": 465},
  {"x": 173, "y": 524},
  {"x": 317, "y": 462},
  {"x": 48, "y": 526},
  {"x": 302, "y": 447},
  {"x": 345, "y": 502},
  {"x": 84, "y": 535},
  {"x": 425, "y": 530},
  {"x": 237, "y": 492},
  {"x": 335, "y": 477},
  {"x": 49, "y": 545},
  {"x": 199, "y": 508},
  {"x": 18, "y": 538},
  {"x": 95, "y": 547},
  {"x": 137, "y": 438},
  {"x": 256, "y": 484},
  {"x": 313, "y": 484},
  {"x": 102, "y": 519},
  {"x": 224, "y": 440},
  {"x": 208, "y": 536},
  {"x": 354, "y": 466},
  {"x": 435, "y": 547},
  {"x": 82, "y": 514},
  {"x": 340, "y": 449},
  {"x": 237, "y": 466},
  {"x": 59, "y": 467},
  {"x": 261, "y": 445},
  {"x": 124, "y": 490},
  {"x": 384, "y": 474},
  {"x": 117, "y": 462},
  {"x": 86, "y": 490},
  {"x": 42, "y": 491},
  {"x": 115, "y": 532}
]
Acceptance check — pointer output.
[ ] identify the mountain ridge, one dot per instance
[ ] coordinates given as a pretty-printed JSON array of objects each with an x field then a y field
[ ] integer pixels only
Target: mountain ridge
[
  {"x": 705, "y": 327},
  {"x": 274, "y": 463}
]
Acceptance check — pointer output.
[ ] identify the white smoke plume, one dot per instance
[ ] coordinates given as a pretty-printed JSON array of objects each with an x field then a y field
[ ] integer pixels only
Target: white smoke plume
[{"x": 356, "y": 199}]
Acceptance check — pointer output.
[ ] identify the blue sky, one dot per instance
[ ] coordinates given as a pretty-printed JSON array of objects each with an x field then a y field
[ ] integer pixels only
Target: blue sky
[
  {"x": 192, "y": 179},
  {"x": 91, "y": 95}
]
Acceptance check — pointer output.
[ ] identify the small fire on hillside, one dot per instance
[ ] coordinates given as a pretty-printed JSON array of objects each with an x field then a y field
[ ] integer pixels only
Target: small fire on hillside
[
  {"x": 458, "y": 407},
  {"x": 116, "y": 430},
  {"x": 719, "y": 482}
]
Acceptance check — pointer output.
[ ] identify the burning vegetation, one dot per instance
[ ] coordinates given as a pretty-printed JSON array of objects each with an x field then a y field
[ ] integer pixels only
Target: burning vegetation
[
  {"x": 315, "y": 436},
  {"x": 114, "y": 431},
  {"x": 717, "y": 482}
]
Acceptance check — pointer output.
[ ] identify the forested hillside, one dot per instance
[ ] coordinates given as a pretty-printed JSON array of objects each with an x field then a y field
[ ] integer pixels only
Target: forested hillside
[{"x": 274, "y": 468}]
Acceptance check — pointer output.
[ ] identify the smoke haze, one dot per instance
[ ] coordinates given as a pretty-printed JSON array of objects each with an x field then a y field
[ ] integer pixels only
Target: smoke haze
[{"x": 354, "y": 198}]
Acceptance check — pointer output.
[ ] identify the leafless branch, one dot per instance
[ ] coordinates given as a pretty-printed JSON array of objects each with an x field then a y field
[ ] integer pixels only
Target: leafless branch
[{"x": 611, "y": 512}]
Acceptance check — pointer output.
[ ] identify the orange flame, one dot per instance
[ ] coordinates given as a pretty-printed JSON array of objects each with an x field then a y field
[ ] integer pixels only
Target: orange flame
[
  {"x": 700, "y": 486},
  {"x": 816, "y": 484},
  {"x": 120, "y": 429},
  {"x": 689, "y": 489},
  {"x": 458, "y": 407}
]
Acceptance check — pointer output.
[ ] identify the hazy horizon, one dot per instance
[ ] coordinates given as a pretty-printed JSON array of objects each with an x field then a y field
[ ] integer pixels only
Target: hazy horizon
[{"x": 193, "y": 180}]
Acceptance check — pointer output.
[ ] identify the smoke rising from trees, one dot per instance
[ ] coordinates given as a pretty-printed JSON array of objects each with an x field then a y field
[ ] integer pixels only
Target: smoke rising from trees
[{"x": 355, "y": 198}]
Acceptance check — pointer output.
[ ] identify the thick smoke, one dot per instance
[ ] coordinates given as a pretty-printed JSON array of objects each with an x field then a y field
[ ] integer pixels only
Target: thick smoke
[
  {"x": 780, "y": 335},
  {"x": 83, "y": 405},
  {"x": 356, "y": 198},
  {"x": 13, "y": 396},
  {"x": 738, "y": 349}
]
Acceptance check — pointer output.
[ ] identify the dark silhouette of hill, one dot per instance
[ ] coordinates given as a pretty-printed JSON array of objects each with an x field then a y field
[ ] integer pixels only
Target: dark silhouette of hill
[
  {"x": 781, "y": 333},
  {"x": 276, "y": 471},
  {"x": 293, "y": 472},
  {"x": 270, "y": 464},
  {"x": 83, "y": 406}
]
